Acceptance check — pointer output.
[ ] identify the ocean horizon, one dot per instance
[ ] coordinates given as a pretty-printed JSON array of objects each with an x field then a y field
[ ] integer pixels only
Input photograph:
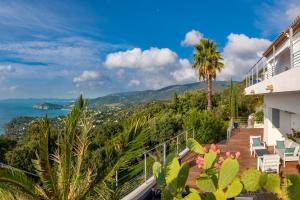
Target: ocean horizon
[{"x": 11, "y": 108}]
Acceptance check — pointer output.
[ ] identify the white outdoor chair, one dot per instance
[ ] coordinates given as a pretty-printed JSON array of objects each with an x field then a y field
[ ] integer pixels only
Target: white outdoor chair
[
  {"x": 269, "y": 163},
  {"x": 285, "y": 152},
  {"x": 256, "y": 143}
]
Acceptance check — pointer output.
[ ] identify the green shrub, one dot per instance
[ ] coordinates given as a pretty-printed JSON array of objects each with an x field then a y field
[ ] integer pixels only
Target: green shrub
[
  {"x": 259, "y": 116},
  {"x": 165, "y": 126},
  {"x": 208, "y": 127}
]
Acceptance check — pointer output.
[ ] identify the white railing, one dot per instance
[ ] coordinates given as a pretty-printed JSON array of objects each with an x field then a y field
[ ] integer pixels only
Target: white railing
[
  {"x": 242, "y": 122},
  {"x": 229, "y": 130},
  {"x": 264, "y": 69},
  {"x": 136, "y": 175}
]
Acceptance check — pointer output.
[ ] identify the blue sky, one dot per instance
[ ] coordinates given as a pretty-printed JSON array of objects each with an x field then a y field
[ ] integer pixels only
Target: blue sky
[{"x": 63, "y": 48}]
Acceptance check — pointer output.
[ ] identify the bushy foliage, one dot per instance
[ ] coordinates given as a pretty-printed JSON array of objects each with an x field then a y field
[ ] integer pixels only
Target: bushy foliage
[
  {"x": 25, "y": 149},
  {"x": 124, "y": 135},
  {"x": 104, "y": 133},
  {"x": 246, "y": 105},
  {"x": 193, "y": 99},
  {"x": 208, "y": 127},
  {"x": 259, "y": 116},
  {"x": 165, "y": 126},
  {"x": 7, "y": 143}
]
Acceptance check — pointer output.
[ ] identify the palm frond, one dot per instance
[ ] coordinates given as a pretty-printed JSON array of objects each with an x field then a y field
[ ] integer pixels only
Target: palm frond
[
  {"x": 42, "y": 164},
  {"x": 17, "y": 179},
  {"x": 81, "y": 180},
  {"x": 207, "y": 60},
  {"x": 66, "y": 145}
]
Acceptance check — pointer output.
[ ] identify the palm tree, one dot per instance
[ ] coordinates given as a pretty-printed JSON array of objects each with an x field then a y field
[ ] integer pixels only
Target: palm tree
[
  {"x": 207, "y": 61},
  {"x": 64, "y": 175}
]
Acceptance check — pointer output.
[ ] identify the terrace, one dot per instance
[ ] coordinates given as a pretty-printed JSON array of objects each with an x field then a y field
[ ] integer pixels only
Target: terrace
[{"x": 238, "y": 141}]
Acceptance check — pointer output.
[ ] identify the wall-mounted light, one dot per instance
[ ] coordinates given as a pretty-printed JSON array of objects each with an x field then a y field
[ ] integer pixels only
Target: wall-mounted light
[{"x": 270, "y": 88}]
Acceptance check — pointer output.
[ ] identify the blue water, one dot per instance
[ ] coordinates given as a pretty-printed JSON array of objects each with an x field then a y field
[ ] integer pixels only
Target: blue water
[{"x": 23, "y": 107}]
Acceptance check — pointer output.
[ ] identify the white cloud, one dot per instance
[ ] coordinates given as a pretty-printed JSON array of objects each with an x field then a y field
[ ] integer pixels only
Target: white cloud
[
  {"x": 185, "y": 71},
  {"x": 134, "y": 82},
  {"x": 293, "y": 12},
  {"x": 240, "y": 53},
  {"x": 5, "y": 69},
  {"x": 191, "y": 38},
  {"x": 275, "y": 16},
  {"x": 12, "y": 89},
  {"x": 136, "y": 58},
  {"x": 156, "y": 67},
  {"x": 86, "y": 76},
  {"x": 41, "y": 16},
  {"x": 64, "y": 52},
  {"x": 120, "y": 73}
]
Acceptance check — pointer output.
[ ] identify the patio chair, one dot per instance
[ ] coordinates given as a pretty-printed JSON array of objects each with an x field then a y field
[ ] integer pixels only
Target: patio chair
[
  {"x": 287, "y": 150},
  {"x": 256, "y": 143},
  {"x": 269, "y": 163}
]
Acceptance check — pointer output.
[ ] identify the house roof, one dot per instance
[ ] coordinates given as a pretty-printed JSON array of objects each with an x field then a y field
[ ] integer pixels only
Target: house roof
[{"x": 282, "y": 37}]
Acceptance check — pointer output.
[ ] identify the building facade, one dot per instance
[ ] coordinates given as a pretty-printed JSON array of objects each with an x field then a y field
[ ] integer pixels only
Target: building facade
[{"x": 276, "y": 76}]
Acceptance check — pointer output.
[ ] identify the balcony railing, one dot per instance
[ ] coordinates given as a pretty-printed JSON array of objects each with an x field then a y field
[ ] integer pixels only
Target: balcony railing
[
  {"x": 137, "y": 171},
  {"x": 264, "y": 69}
]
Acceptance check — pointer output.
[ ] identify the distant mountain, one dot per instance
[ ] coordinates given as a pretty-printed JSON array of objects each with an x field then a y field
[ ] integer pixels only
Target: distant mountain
[{"x": 118, "y": 100}]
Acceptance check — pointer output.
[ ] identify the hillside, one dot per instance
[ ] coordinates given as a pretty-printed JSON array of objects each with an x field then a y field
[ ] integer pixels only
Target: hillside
[{"x": 119, "y": 100}]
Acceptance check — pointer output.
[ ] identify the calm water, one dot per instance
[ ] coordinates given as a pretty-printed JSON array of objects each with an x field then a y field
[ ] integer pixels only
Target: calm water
[{"x": 23, "y": 107}]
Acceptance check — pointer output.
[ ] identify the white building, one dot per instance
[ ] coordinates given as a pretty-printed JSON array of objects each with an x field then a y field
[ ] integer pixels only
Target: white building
[{"x": 276, "y": 76}]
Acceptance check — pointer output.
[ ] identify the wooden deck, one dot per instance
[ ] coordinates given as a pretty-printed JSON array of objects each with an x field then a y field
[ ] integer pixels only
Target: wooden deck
[{"x": 239, "y": 141}]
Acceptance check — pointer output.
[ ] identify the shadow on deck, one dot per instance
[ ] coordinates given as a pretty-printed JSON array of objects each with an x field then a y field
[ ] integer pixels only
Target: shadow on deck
[{"x": 239, "y": 141}]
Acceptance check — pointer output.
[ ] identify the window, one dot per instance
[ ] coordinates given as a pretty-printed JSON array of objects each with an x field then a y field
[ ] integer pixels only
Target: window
[{"x": 275, "y": 118}]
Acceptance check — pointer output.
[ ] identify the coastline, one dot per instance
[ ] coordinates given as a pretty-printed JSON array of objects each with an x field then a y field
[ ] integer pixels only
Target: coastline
[{"x": 13, "y": 108}]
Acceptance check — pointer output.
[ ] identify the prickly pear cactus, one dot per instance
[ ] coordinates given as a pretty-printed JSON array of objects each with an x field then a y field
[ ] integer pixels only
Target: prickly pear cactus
[
  {"x": 194, "y": 146},
  {"x": 251, "y": 180},
  {"x": 291, "y": 188},
  {"x": 219, "y": 175},
  {"x": 228, "y": 172},
  {"x": 172, "y": 178},
  {"x": 273, "y": 183},
  {"x": 234, "y": 189}
]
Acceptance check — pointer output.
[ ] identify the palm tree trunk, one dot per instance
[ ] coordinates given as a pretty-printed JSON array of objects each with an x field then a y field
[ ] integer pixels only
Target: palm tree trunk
[{"x": 209, "y": 92}]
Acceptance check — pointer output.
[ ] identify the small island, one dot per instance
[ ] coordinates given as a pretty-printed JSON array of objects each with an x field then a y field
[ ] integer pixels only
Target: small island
[{"x": 47, "y": 106}]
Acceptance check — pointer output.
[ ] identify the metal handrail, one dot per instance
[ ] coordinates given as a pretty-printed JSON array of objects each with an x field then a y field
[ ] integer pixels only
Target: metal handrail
[
  {"x": 146, "y": 174},
  {"x": 264, "y": 69}
]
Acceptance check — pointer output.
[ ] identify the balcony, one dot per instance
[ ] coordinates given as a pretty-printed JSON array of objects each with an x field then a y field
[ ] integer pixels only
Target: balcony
[{"x": 271, "y": 74}]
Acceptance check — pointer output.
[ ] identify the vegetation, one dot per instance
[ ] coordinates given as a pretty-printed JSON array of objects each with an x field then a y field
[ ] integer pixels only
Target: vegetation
[
  {"x": 164, "y": 120},
  {"x": 122, "y": 135},
  {"x": 259, "y": 116},
  {"x": 63, "y": 174},
  {"x": 115, "y": 102},
  {"x": 172, "y": 177},
  {"x": 218, "y": 178},
  {"x": 7, "y": 143},
  {"x": 233, "y": 101},
  {"x": 205, "y": 126},
  {"x": 207, "y": 61}
]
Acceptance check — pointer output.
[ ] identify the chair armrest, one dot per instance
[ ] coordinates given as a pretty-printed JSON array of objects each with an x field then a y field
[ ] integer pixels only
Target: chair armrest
[{"x": 288, "y": 154}]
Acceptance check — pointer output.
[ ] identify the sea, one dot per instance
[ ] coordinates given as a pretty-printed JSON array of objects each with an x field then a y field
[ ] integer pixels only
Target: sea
[{"x": 11, "y": 108}]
